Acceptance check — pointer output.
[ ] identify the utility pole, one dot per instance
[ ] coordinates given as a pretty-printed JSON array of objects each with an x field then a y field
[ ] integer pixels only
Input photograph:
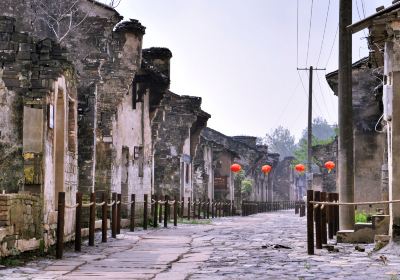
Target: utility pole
[
  {"x": 345, "y": 155},
  {"x": 309, "y": 127}
]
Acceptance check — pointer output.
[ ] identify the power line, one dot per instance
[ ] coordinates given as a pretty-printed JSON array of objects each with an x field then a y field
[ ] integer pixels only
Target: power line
[
  {"x": 333, "y": 44},
  {"x": 363, "y": 7},
  {"x": 323, "y": 97},
  {"x": 330, "y": 99},
  {"x": 309, "y": 31},
  {"x": 323, "y": 35},
  {"x": 316, "y": 100},
  {"x": 359, "y": 16},
  {"x": 304, "y": 90},
  {"x": 287, "y": 103}
]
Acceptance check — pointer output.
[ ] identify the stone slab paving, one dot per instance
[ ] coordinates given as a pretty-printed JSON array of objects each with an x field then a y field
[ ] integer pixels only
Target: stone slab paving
[{"x": 229, "y": 248}]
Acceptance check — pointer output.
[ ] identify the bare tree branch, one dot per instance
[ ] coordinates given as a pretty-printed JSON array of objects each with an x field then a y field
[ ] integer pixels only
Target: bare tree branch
[
  {"x": 114, "y": 3},
  {"x": 61, "y": 16}
]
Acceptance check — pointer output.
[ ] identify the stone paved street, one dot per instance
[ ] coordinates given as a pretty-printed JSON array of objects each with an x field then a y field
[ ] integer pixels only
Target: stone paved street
[{"x": 229, "y": 248}]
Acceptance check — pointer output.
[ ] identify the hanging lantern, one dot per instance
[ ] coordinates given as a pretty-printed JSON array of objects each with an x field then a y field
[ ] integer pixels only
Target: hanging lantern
[
  {"x": 235, "y": 168},
  {"x": 329, "y": 165},
  {"x": 300, "y": 168},
  {"x": 266, "y": 169}
]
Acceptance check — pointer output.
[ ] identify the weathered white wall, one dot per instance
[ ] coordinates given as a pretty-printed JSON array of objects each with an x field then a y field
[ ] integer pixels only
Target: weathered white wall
[{"x": 187, "y": 185}]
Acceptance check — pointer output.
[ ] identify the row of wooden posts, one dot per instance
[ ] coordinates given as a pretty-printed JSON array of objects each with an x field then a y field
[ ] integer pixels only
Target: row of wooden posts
[
  {"x": 255, "y": 207},
  {"x": 160, "y": 211},
  {"x": 325, "y": 219}
]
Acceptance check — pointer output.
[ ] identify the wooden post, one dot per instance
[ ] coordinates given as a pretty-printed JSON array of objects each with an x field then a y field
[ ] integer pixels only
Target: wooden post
[
  {"x": 114, "y": 215},
  {"x": 330, "y": 216},
  {"x": 208, "y": 208},
  {"x": 189, "y": 208},
  {"x": 212, "y": 209},
  {"x": 145, "y": 205},
  {"x": 119, "y": 198},
  {"x": 166, "y": 211},
  {"x": 324, "y": 239},
  {"x": 176, "y": 211},
  {"x": 302, "y": 209},
  {"x": 60, "y": 225},
  {"x": 345, "y": 168},
  {"x": 104, "y": 218},
  {"x": 152, "y": 206},
  {"x": 182, "y": 206},
  {"x": 337, "y": 218},
  {"x": 199, "y": 210},
  {"x": 78, "y": 222},
  {"x": 155, "y": 213},
  {"x": 204, "y": 209},
  {"x": 296, "y": 207},
  {"x": 160, "y": 212},
  {"x": 194, "y": 209},
  {"x": 133, "y": 202},
  {"x": 92, "y": 218},
  {"x": 310, "y": 223},
  {"x": 318, "y": 241}
]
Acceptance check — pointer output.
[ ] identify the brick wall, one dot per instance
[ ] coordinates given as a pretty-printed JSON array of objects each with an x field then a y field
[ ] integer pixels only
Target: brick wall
[{"x": 21, "y": 225}]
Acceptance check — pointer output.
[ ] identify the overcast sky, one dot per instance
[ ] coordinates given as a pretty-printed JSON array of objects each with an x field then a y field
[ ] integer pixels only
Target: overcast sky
[{"x": 241, "y": 56}]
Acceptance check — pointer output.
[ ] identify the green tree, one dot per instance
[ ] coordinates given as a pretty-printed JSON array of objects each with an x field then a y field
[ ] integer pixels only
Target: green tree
[
  {"x": 247, "y": 185},
  {"x": 323, "y": 133},
  {"x": 321, "y": 129},
  {"x": 280, "y": 141}
]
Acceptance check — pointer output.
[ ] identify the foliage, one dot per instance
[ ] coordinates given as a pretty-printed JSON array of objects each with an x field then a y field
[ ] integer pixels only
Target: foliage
[
  {"x": 280, "y": 141},
  {"x": 300, "y": 152},
  {"x": 361, "y": 217},
  {"x": 247, "y": 186},
  {"x": 321, "y": 129},
  {"x": 239, "y": 176},
  {"x": 323, "y": 134}
]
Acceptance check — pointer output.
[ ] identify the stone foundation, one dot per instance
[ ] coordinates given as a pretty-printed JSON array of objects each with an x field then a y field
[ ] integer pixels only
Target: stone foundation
[{"x": 21, "y": 225}]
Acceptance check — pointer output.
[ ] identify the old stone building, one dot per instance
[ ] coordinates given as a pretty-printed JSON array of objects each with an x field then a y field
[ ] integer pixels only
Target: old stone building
[
  {"x": 111, "y": 93},
  {"x": 176, "y": 127},
  {"x": 114, "y": 89},
  {"x": 38, "y": 143},
  {"x": 217, "y": 152},
  {"x": 369, "y": 152},
  {"x": 322, "y": 154},
  {"x": 284, "y": 180}
]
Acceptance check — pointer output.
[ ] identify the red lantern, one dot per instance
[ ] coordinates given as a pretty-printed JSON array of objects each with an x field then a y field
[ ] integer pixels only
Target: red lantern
[
  {"x": 300, "y": 168},
  {"x": 266, "y": 169},
  {"x": 235, "y": 168},
  {"x": 329, "y": 165}
]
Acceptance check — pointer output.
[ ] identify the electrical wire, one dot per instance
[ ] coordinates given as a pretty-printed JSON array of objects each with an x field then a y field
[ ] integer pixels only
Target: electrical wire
[
  {"x": 316, "y": 101},
  {"x": 363, "y": 7},
  {"x": 323, "y": 35},
  {"x": 323, "y": 97},
  {"x": 287, "y": 104},
  {"x": 376, "y": 125},
  {"x": 359, "y": 16},
  {"x": 309, "y": 31},
  {"x": 333, "y": 44},
  {"x": 305, "y": 92}
]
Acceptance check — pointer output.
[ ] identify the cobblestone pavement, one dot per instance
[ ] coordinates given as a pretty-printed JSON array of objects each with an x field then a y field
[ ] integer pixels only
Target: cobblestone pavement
[{"x": 229, "y": 248}]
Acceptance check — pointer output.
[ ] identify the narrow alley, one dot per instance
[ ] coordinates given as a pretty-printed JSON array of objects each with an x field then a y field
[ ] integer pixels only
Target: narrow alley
[{"x": 262, "y": 246}]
